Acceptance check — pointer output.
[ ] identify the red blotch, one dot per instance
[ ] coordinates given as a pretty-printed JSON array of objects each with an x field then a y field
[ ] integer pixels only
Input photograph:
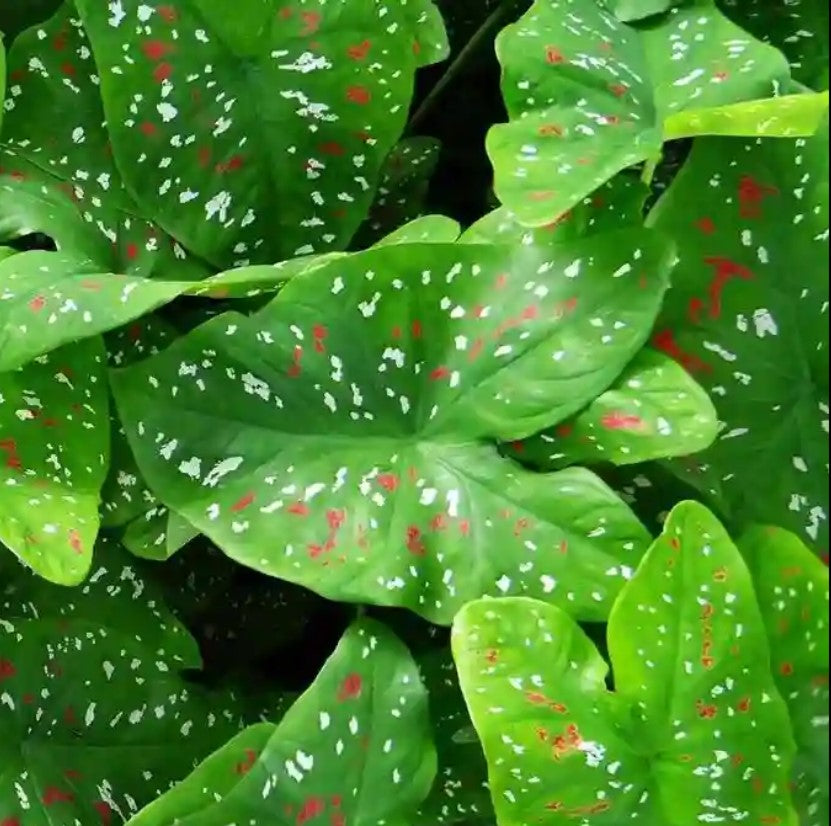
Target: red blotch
[
  {"x": 294, "y": 370},
  {"x": 696, "y": 307},
  {"x": 786, "y": 669},
  {"x": 621, "y": 421},
  {"x": 332, "y": 148},
  {"x": 319, "y": 334},
  {"x": 147, "y": 129},
  {"x": 389, "y": 481},
  {"x": 351, "y": 688},
  {"x": 52, "y": 795},
  {"x": 162, "y": 72},
  {"x": 725, "y": 270},
  {"x": 664, "y": 340},
  {"x": 105, "y": 812},
  {"x": 554, "y": 56},
  {"x": 530, "y": 313},
  {"x": 7, "y": 670},
  {"x": 751, "y": 195},
  {"x": 299, "y": 509},
  {"x": 564, "y": 430},
  {"x": 414, "y": 544},
  {"x": 245, "y": 765},
  {"x": 204, "y": 156},
  {"x": 167, "y": 13},
  {"x": 439, "y": 373},
  {"x": 360, "y": 51},
  {"x": 75, "y": 542},
  {"x": 132, "y": 251},
  {"x": 476, "y": 349},
  {"x": 156, "y": 49},
  {"x": 37, "y": 303},
  {"x": 416, "y": 329},
  {"x": 550, "y": 130},
  {"x": 501, "y": 281},
  {"x": 706, "y": 225},
  {"x": 243, "y": 503},
  {"x": 10, "y": 821},
  {"x": 359, "y": 95},
  {"x": 705, "y": 711},
  {"x": 439, "y": 522},
  {"x": 618, "y": 89},
  {"x": 313, "y": 807},
  {"x": 234, "y": 163},
  {"x": 743, "y": 705},
  {"x": 337, "y": 819},
  {"x": 68, "y": 69},
  {"x": 59, "y": 43},
  {"x": 541, "y": 195},
  {"x": 311, "y": 21}
]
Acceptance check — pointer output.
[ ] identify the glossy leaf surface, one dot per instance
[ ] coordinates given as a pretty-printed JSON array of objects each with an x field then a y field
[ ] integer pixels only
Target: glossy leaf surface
[
  {"x": 93, "y": 697},
  {"x": 54, "y": 446},
  {"x": 748, "y": 316},
  {"x": 792, "y": 589},
  {"x": 588, "y": 95},
  {"x": 695, "y": 732},
  {"x": 258, "y": 136},
  {"x": 350, "y": 419},
  {"x": 355, "y": 748}
]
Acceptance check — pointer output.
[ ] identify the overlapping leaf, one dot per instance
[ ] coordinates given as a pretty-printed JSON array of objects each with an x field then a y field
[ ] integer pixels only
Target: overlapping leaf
[
  {"x": 355, "y": 748},
  {"x": 654, "y": 410},
  {"x": 335, "y": 439},
  {"x": 93, "y": 698},
  {"x": 54, "y": 446},
  {"x": 57, "y": 174},
  {"x": 798, "y": 27},
  {"x": 589, "y": 95},
  {"x": 748, "y": 315},
  {"x": 695, "y": 732},
  {"x": 792, "y": 589},
  {"x": 260, "y": 135}
]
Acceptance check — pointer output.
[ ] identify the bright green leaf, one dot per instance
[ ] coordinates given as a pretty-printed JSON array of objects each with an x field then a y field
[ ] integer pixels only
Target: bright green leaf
[
  {"x": 792, "y": 588},
  {"x": 589, "y": 95},
  {"x": 748, "y": 315},
  {"x": 346, "y": 419},
  {"x": 283, "y": 160},
  {"x": 355, "y": 748},
  {"x": 94, "y": 698},
  {"x": 695, "y": 731},
  {"x": 630, "y": 11},
  {"x": 54, "y": 445},
  {"x": 655, "y": 409}
]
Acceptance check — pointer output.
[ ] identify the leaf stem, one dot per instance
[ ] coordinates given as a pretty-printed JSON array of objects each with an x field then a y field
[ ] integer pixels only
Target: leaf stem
[
  {"x": 472, "y": 45},
  {"x": 649, "y": 168}
]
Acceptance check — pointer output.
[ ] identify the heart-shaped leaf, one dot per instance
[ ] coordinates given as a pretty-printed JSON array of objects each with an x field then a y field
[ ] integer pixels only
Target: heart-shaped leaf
[
  {"x": 792, "y": 588},
  {"x": 748, "y": 315},
  {"x": 355, "y": 748},
  {"x": 653, "y": 410},
  {"x": 241, "y": 183},
  {"x": 93, "y": 697},
  {"x": 695, "y": 732},
  {"x": 347, "y": 418},
  {"x": 589, "y": 95},
  {"x": 57, "y": 174},
  {"x": 632, "y": 10},
  {"x": 798, "y": 27},
  {"x": 54, "y": 445}
]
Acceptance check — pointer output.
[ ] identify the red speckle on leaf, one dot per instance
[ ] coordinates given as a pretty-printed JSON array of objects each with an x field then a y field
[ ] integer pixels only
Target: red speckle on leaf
[
  {"x": 75, "y": 542},
  {"x": 204, "y": 156},
  {"x": 414, "y": 544},
  {"x": 68, "y": 69},
  {"x": 360, "y": 51},
  {"x": 439, "y": 373},
  {"x": 147, "y": 129},
  {"x": 530, "y": 313},
  {"x": 167, "y": 13},
  {"x": 696, "y": 306},
  {"x": 705, "y": 711},
  {"x": 706, "y": 225},
  {"x": 389, "y": 481},
  {"x": 299, "y": 509},
  {"x": 564, "y": 430},
  {"x": 294, "y": 369},
  {"x": 725, "y": 270},
  {"x": 313, "y": 807},
  {"x": 622, "y": 421},
  {"x": 243, "y": 503},
  {"x": 351, "y": 688},
  {"x": 618, "y": 89},
  {"x": 359, "y": 95},
  {"x": 476, "y": 349},
  {"x": 52, "y": 795},
  {"x": 786, "y": 669},
  {"x": 132, "y": 252},
  {"x": 105, "y": 812},
  {"x": 337, "y": 819},
  {"x": 751, "y": 195},
  {"x": 553, "y": 56},
  {"x": 542, "y": 195},
  {"x": 245, "y": 765},
  {"x": 332, "y": 148},
  {"x": 92, "y": 286},
  {"x": 416, "y": 329},
  {"x": 311, "y": 22},
  {"x": 743, "y": 705},
  {"x": 7, "y": 670},
  {"x": 59, "y": 43},
  {"x": 501, "y": 281},
  {"x": 155, "y": 49},
  {"x": 549, "y": 130},
  {"x": 664, "y": 340},
  {"x": 37, "y": 303},
  {"x": 319, "y": 334},
  {"x": 439, "y": 522},
  {"x": 162, "y": 72}
]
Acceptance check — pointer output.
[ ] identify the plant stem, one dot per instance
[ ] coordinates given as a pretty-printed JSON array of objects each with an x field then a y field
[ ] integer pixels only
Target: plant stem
[
  {"x": 649, "y": 168},
  {"x": 493, "y": 19}
]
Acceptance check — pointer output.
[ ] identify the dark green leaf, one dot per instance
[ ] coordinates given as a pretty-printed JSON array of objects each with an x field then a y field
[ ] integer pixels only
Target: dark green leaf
[
  {"x": 748, "y": 315},
  {"x": 355, "y": 748},
  {"x": 54, "y": 444},
  {"x": 792, "y": 588},
  {"x": 347, "y": 420},
  {"x": 696, "y": 731},
  {"x": 260, "y": 135}
]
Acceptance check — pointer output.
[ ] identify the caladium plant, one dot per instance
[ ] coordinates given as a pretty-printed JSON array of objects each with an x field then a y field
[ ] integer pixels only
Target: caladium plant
[{"x": 289, "y": 385}]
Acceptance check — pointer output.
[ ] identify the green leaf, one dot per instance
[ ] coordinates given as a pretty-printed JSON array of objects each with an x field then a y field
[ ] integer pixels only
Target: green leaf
[
  {"x": 57, "y": 174},
  {"x": 630, "y": 11},
  {"x": 798, "y": 27},
  {"x": 577, "y": 85},
  {"x": 748, "y": 315},
  {"x": 436, "y": 229},
  {"x": 354, "y": 417},
  {"x": 48, "y": 299},
  {"x": 283, "y": 160},
  {"x": 460, "y": 792},
  {"x": 792, "y": 588},
  {"x": 93, "y": 697},
  {"x": 2, "y": 77},
  {"x": 355, "y": 748},
  {"x": 655, "y": 409},
  {"x": 54, "y": 445},
  {"x": 695, "y": 732}
]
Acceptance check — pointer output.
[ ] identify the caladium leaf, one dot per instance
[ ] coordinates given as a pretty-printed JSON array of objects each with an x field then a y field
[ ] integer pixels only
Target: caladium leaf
[
  {"x": 69, "y": 187},
  {"x": 579, "y": 89},
  {"x": 695, "y": 731},
  {"x": 630, "y": 11},
  {"x": 655, "y": 409},
  {"x": 237, "y": 183},
  {"x": 792, "y": 588},
  {"x": 355, "y": 748},
  {"x": 399, "y": 493},
  {"x": 93, "y": 696},
  {"x": 48, "y": 299},
  {"x": 748, "y": 218},
  {"x": 460, "y": 792},
  {"x": 54, "y": 445},
  {"x": 798, "y": 27}
]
